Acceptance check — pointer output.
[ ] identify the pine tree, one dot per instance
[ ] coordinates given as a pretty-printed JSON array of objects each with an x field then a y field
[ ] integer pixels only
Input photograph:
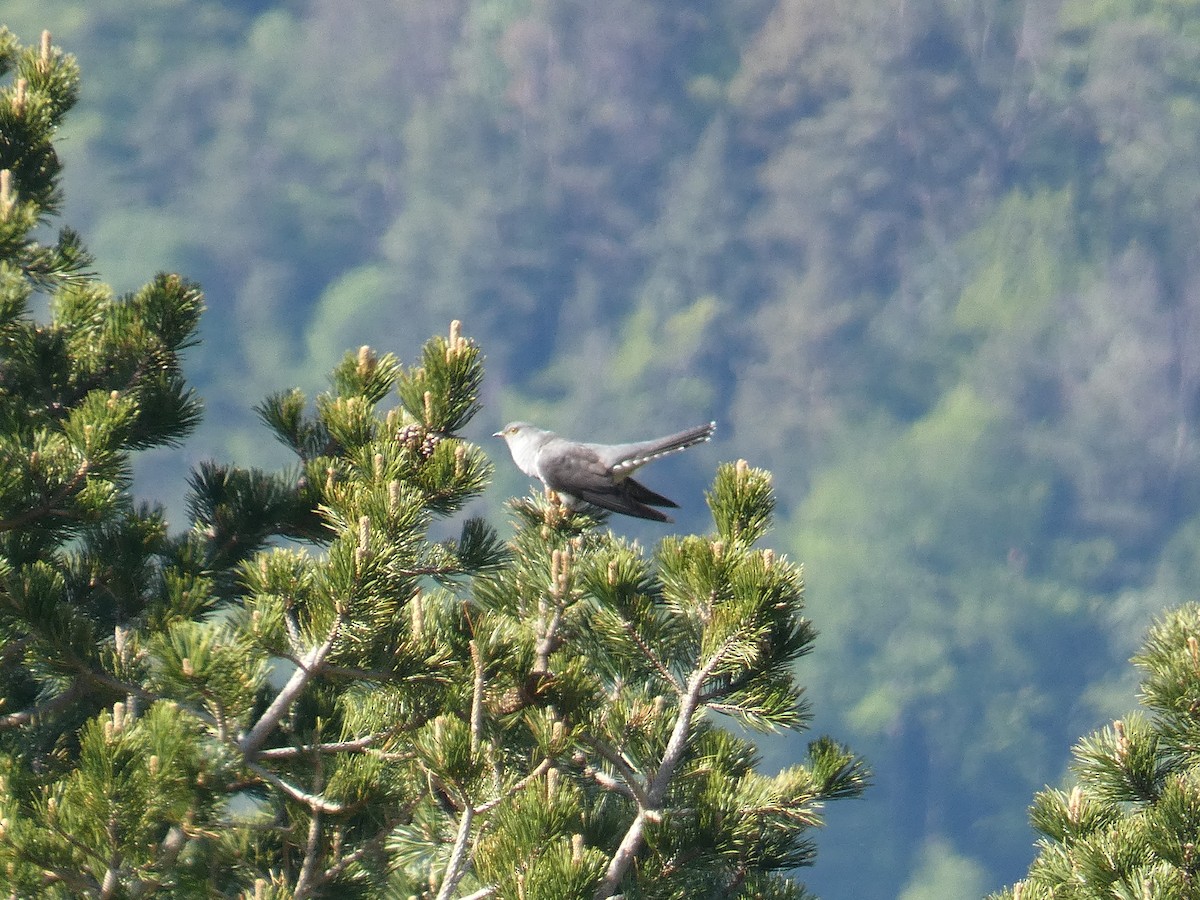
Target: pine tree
[
  {"x": 1130, "y": 825},
  {"x": 305, "y": 694}
]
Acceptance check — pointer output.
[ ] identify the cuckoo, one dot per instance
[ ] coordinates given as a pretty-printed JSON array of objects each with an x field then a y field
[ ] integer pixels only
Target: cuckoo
[{"x": 599, "y": 474}]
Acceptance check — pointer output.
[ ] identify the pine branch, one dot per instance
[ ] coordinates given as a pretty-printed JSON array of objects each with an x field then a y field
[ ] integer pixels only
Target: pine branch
[
  {"x": 308, "y": 869},
  {"x": 50, "y": 506},
  {"x": 369, "y": 846},
  {"x": 360, "y": 745},
  {"x": 42, "y": 710},
  {"x": 309, "y": 666},
  {"x": 314, "y": 802},
  {"x": 656, "y": 790},
  {"x": 476, "y": 698},
  {"x": 651, "y": 657},
  {"x": 609, "y": 783},
  {"x": 455, "y": 869},
  {"x": 83, "y": 885},
  {"x": 129, "y": 689},
  {"x": 624, "y": 767},
  {"x": 560, "y": 575}
]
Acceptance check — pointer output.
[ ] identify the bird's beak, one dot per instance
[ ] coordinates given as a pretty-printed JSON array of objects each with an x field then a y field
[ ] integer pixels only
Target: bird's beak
[{"x": 497, "y": 434}]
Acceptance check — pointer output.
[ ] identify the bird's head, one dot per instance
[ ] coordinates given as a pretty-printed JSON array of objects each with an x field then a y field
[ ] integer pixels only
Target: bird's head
[
  {"x": 523, "y": 441},
  {"x": 514, "y": 430}
]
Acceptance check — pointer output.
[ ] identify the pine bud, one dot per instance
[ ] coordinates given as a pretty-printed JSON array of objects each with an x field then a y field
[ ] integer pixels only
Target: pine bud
[
  {"x": 1194, "y": 650},
  {"x": 378, "y": 466},
  {"x": 1075, "y": 805},
  {"x": 460, "y": 460},
  {"x": 113, "y": 397},
  {"x": 418, "y": 617},
  {"x": 366, "y": 361},
  {"x": 1122, "y": 740},
  {"x": 44, "y": 61},
  {"x": 560, "y": 572},
  {"x": 118, "y": 716},
  {"x": 18, "y": 104},
  {"x": 364, "y": 531},
  {"x": 551, "y": 782},
  {"x": 154, "y": 765},
  {"x": 454, "y": 346},
  {"x": 577, "y": 848},
  {"x": 742, "y": 468},
  {"x": 393, "y": 496},
  {"x": 429, "y": 408},
  {"x": 6, "y": 199},
  {"x": 768, "y": 559},
  {"x": 185, "y": 666}
]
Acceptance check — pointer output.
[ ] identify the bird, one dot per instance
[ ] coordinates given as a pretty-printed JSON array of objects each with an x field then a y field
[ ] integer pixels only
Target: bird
[{"x": 598, "y": 474}]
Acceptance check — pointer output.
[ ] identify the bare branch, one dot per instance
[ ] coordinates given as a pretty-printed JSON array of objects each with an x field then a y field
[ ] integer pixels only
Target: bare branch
[
  {"x": 309, "y": 666},
  {"x": 657, "y": 788},
  {"x": 476, "y": 698},
  {"x": 314, "y": 802},
  {"x": 356, "y": 746},
  {"x": 627, "y": 771},
  {"x": 308, "y": 869},
  {"x": 609, "y": 783},
  {"x": 651, "y": 656},
  {"x": 455, "y": 869}
]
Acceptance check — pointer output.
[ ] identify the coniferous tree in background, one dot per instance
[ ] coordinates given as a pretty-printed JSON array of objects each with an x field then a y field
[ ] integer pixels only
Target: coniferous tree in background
[
  {"x": 1130, "y": 826},
  {"x": 304, "y": 694}
]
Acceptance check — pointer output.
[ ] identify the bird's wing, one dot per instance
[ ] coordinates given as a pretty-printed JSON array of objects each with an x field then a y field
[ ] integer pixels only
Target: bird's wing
[
  {"x": 617, "y": 499},
  {"x": 570, "y": 468},
  {"x": 639, "y": 493},
  {"x": 577, "y": 471}
]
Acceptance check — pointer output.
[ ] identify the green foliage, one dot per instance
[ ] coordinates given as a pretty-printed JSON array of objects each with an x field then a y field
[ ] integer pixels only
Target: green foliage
[
  {"x": 931, "y": 260},
  {"x": 305, "y": 694},
  {"x": 1128, "y": 826}
]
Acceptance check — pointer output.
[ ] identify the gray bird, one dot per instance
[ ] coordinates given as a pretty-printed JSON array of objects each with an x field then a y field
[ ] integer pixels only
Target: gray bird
[{"x": 598, "y": 474}]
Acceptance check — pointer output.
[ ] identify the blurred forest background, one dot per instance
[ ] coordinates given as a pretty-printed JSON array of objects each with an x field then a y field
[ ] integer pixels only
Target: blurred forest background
[{"x": 932, "y": 262}]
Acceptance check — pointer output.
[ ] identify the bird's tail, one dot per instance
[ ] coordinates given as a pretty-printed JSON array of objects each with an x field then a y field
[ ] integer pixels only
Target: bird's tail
[{"x": 633, "y": 456}]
